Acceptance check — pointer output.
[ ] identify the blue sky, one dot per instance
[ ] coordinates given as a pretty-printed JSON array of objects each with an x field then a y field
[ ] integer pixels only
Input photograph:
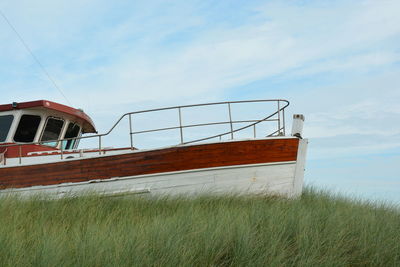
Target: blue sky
[{"x": 338, "y": 62}]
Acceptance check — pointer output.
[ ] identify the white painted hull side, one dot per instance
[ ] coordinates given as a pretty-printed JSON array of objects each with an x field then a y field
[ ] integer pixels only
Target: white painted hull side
[
  {"x": 282, "y": 178},
  {"x": 277, "y": 179}
]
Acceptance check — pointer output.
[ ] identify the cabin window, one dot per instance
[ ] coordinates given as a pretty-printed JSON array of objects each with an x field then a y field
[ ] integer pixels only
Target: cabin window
[
  {"x": 5, "y": 124},
  {"x": 27, "y": 128},
  {"x": 52, "y": 131},
  {"x": 73, "y": 131}
]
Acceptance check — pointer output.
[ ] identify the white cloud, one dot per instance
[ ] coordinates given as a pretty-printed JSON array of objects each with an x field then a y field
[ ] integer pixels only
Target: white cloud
[
  {"x": 226, "y": 57},
  {"x": 127, "y": 60}
]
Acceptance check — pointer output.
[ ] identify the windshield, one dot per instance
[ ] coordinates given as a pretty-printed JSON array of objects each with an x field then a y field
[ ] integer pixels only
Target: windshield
[
  {"x": 5, "y": 124},
  {"x": 27, "y": 128},
  {"x": 72, "y": 132},
  {"x": 52, "y": 131}
]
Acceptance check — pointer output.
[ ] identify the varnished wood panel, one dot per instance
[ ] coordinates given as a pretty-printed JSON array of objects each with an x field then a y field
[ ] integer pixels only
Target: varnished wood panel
[{"x": 155, "y": 161}]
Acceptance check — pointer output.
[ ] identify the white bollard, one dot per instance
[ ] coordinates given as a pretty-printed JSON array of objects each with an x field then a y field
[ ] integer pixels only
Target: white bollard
[{"x": 297, "y": 127}]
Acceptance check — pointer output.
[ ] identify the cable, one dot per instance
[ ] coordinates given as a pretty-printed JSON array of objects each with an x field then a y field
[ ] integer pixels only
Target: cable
[{"x": 34, "y": 57}]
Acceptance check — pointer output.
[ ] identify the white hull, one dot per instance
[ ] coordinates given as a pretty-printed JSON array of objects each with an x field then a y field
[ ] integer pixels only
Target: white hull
[{"x": 283, "y": 178}]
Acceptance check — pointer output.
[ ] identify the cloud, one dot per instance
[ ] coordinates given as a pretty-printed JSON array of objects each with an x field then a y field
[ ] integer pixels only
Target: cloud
[
  {"x": 111, "y": 52},
  {"x": 133, "y": 53}
]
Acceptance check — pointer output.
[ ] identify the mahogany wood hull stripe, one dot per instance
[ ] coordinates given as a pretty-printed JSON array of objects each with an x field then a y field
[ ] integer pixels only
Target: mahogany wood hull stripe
[{"x": 178, "y": 158}]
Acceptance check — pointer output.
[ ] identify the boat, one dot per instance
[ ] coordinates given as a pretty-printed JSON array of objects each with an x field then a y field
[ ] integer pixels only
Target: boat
[{"x": 40, "y": 152}]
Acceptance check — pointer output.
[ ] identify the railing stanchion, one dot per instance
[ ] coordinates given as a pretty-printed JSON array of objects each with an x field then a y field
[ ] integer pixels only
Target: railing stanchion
[
  {"x": 20, "y": 154},
  {"x": 279, "y": 118},
  {"x": 180, "y": 124},
  {"x": 130, "y": 130},
  {"x": 61, "y": 150},
  {"x": 284, "y": 123},
  {"x": 230, "y": 119},
  {"x": 99, "y": 144},
  {"x": 254, "y": 130}
]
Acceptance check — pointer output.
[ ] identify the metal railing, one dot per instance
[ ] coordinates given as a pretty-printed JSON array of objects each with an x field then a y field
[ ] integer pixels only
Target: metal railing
[{"x": 277, "y": 116}]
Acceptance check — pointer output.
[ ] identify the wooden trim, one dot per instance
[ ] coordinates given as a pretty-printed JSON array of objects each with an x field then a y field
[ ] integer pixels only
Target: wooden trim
[{"x": 155, "y": 161}]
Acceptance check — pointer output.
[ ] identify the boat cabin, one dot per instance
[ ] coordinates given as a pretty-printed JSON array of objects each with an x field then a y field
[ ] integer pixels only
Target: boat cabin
[{"x": 42, "y": 123}]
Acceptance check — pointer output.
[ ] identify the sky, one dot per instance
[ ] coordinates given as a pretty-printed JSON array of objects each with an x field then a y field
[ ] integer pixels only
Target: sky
[{"x": 337, "y": 62}]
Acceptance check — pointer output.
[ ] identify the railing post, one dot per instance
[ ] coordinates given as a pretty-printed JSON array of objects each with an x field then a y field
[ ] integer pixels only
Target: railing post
[
  {"x": 99, "y": 144},
  {"x": 130, "y": 130},
  {"x": 230, "y": 119},
  {"x": 3, "y": 157},
  {"x": 279, "y": 118},
  {"x": 61, "y": 149},
  {"x": 180, "y": 124},
  {"x": 284, "y": 124},
  {"x": 20, "y": 154},
  {"x": 254, "y": 130}
]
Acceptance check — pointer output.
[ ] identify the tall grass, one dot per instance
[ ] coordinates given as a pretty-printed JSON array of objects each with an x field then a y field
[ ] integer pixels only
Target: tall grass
[{"x": 316, "y": 230}]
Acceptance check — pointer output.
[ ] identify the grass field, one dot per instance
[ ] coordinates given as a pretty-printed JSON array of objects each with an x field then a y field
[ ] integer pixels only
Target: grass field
[{"x": 316, "y": 230}]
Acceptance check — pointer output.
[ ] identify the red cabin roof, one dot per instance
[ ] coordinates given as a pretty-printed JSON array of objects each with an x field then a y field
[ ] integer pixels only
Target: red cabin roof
[{"x": 87, "y": 123}]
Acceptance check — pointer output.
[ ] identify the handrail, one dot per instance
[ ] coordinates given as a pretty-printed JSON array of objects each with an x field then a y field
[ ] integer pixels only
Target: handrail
[{"x": 280, "y": 112}]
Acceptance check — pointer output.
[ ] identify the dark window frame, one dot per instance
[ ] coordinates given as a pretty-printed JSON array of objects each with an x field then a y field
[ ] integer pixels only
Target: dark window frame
[
  {"x": 72, "y": 144},
  {"x": 9, "y": 127},
  {"x": 47, "y": 142},
  {"x": 18, "y": 127}
]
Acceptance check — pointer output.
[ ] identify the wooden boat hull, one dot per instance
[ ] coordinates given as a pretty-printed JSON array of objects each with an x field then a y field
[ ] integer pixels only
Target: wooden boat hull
[{"x": 270, "y": 165}]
